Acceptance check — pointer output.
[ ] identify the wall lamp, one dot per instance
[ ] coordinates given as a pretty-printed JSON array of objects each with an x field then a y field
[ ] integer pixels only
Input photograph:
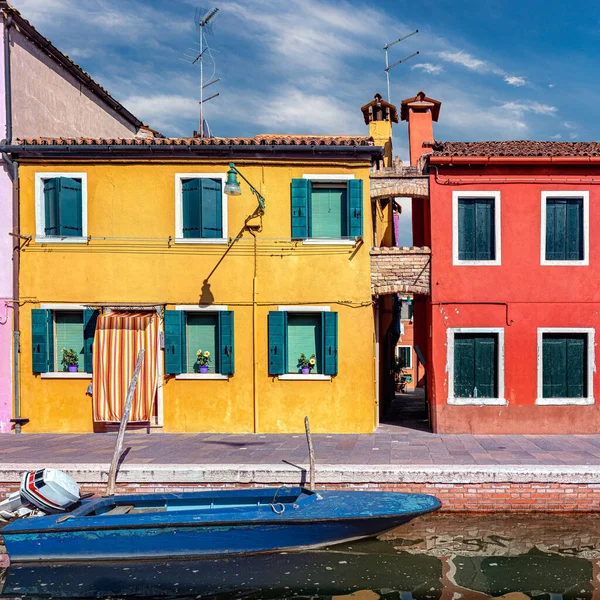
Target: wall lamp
[{"x": 232, "y": 187}]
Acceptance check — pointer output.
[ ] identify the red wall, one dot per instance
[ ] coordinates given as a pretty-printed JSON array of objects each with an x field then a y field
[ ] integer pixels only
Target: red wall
[{"x": 536, "y": 296}]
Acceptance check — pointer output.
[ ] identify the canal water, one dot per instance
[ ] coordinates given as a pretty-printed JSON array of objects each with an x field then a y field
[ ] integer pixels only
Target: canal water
[{"x": 440, "y": 556}]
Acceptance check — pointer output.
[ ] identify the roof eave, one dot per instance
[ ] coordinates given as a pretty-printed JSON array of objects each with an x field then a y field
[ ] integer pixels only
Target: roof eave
[{"x": 505, "y": 160}]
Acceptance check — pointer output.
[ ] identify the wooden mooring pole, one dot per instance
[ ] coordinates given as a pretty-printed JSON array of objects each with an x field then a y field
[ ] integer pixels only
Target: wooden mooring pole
[
  {"x": 311, "y": 455},
  {"x": 112, "y": 474}
]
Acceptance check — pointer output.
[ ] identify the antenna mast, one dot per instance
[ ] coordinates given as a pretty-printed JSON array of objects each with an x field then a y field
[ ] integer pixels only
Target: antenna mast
[
  {"x": 202, "y": 20},
  {"x": 388, "y": 66}
]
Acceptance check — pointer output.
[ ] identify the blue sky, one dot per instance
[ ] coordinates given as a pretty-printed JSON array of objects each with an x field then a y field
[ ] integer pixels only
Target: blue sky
[{"x": 502, "y": 69}]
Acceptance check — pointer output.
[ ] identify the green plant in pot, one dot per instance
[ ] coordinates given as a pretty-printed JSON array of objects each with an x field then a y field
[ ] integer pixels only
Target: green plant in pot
[
  {"x": 202, "y": 361},
  {"x": 307, "y": 364},
  {"x": 70, "y": 360}
]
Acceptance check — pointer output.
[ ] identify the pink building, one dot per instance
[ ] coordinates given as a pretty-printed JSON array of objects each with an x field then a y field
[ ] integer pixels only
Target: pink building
[{"x": 46, "y": 95}]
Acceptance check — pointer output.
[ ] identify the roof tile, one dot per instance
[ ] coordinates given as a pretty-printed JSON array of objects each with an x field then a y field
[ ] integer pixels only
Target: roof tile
[{"x": 516, "y": 148}]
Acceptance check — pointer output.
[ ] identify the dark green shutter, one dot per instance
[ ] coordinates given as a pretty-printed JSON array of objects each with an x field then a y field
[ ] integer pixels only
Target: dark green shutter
[
  {"x": 42, "y": 341},
  {"x": 70, "y": 207},
  {"x": 301, "y": 190},
  {"x": 564, "y": 366},
  {"x": 227, "y": 361},
  {"x": 277, "y": 343},
  {"x": 466, "y": 229},
  {"x": 90, "y": 317},
  {"x": 476, "y": 229},
  {"x": 464, "y": 366},
  {"x": 485, "y": 366},
  {"x": 564, "y": 229},
  {"x": 51, "y": 192},
  {"x": 475, "y": 365},
  {"x": 174, "y": 342},
  {"x": 212, "y": 208},
  {"x": 355, "y": 207},
  {"x": 191, "y": 200},
  {"x": 330, "y": 343}
]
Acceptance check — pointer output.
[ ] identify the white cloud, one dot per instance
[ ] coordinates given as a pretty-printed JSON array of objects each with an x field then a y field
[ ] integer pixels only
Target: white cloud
[
  {"x": 466, "y": 60},
  {"x": 556, "y": 137},
  {"x": 535, "y": 107},
  {"x": 551, "y": 85},
  {"x": 164, "y": 111},
  {"x": 428, "y": 68},
  {"x": 572, "y": 136},
  {"x": 515, "y": 80},
  {"x": 570, "y": 125},
  {"x": 79, "y": 52}
]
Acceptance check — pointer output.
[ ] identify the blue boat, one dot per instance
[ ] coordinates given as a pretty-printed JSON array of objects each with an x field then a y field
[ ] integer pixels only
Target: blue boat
[{"x": 215, "y": 523}]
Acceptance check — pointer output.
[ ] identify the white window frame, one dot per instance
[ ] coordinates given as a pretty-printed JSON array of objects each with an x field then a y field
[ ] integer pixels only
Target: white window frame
[
  {"x": 179, "y": 239},
  {"x": 40, "y": 209},
  {"x": 62, "y": 374},
  {"x": 320, "y": 178},
  {"x": 456, "y": 194},
  {"x": 410, "y": 354},
  {"x": 500, "y": 399},
  {"x": 299, "y": 308},
  {"x": 549, "y": 195},
  {"x": 591, "y": 367},
  {"x": 195, "y": 308}
]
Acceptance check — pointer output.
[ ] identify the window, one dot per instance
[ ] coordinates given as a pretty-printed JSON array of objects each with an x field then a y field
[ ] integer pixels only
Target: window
[
  {"x": 61, "y": 207},
  {"x": 201, "y": 208},
  {"x": 476, "y": 228},
  {"x": 327, "y": 209},
  {"x": 476, "y": 366},
  {"x": 190, "y": 329},
  {"x": 565, "y": 366},
  {"x": 302, "y": 330},
  {"x": 565, "y": 230},
  {"x": 55, "y": 329},
  {"x": 404, "y": 356},
  {"x": 406, "y": 309}
]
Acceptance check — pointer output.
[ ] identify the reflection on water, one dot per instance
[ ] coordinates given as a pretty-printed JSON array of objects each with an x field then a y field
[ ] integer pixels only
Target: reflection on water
[{"x": 440, "y": 556}]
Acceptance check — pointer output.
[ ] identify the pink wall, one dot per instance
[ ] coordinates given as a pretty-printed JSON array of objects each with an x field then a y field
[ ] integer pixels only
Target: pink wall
[
  {"x": 537, "y": 296},
  {"x": 5, "y": 270}
]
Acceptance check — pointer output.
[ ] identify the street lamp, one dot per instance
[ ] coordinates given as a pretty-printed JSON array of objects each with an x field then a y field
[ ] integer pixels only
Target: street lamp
[{"x": 232, "y": 187}]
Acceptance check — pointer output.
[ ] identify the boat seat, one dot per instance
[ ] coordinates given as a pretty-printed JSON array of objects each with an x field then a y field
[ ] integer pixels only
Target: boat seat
[{"x": 121, "y": 509}]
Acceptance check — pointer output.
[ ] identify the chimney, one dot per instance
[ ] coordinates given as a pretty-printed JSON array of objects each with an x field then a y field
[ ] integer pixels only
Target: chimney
[
  {"x": 379, "y": 116},
  {"x": 420, "y": 112}
]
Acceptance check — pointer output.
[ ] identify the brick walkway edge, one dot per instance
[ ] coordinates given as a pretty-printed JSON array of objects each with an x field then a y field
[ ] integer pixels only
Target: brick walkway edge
[{"x": 506, "y": 489}]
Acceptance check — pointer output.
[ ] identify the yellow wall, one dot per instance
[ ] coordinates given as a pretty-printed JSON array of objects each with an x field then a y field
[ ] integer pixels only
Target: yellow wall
[{"x": 132, "y": 206}]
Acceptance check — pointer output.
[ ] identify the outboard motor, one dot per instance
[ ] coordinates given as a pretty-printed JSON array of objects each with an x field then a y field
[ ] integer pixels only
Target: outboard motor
[{"x": 48, "y": 490}]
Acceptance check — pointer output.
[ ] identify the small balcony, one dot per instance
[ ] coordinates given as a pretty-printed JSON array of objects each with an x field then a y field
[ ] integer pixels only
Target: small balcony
[{"x": 400, "y": 270}]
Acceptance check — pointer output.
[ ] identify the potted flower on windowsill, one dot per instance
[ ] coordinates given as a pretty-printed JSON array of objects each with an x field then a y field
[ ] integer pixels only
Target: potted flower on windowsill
[
  {"x": 70, "y": 360},
  {"x": 202, "y": 360},
  {"x": 306, "y": 364}
]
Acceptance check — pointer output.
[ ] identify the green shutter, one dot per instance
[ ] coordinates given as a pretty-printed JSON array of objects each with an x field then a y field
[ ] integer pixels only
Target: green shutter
[
  {"x": 564, "y": 366},
  {"x": 464, "y": 366},
  {"x": 51, "y": 192},
  {"x": 476, "y": 229},
  {"x": 70, "y": 208},
  {"x": 475, "y": 365},
  {"x": 328, "y": 213},
  {"x": 564, "y": 229},
  {"x": 42, "y": 341},
  {"x": 90, "y": 317},
  {"x": 466, "y": 229},
  {"x": 174, "y": 341},
  {"x": 212, "y": 208},
  {"x": 330, "y": 343},
  {"x": 303, "y": 337},
  {"x": 277, "y": 342},
  {"x": 201, "y": 334},
  {"x": 355, "y": 207},
  {"x": 226, "y": 353},
  {"x": 485, "y": 366},
  {"x": 301, "y": 193},
  {"x": 191, "y": 207},
  {"x": 69, "y": 335}
]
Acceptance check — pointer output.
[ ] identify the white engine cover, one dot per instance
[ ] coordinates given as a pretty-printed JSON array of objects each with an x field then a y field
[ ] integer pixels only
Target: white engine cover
[{"x": 50, "y": 490}]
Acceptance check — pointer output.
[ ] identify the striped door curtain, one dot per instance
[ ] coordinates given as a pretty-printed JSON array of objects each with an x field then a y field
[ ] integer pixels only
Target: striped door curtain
[{"x": 119, "y": 337}]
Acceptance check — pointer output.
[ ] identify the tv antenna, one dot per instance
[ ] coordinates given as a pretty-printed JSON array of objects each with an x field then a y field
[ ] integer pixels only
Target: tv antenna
[
  {"x": 388, "y": 66},
  {"x": 202, "y": 19}
]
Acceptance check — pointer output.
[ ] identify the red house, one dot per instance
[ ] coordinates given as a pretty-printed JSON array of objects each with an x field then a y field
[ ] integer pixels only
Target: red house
[{"x": 510, "y": 324}]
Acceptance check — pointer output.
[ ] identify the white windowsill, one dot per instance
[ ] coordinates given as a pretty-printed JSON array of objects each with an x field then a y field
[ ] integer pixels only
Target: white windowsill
[
  {"x": 300, "y": 377},
  {"x": 477, "y": 263},
  {"x": 328, "y": 242},
  {"x": 564, "y": 401},
  {"x": 66, "y": 375},
  {"x": 566, "y": 263},
  {"x": 42, "y": 239},
  {"x": 202, "y": 240},
  {"x": 217, "y": 376},
  {"x": 477, "y": 401}
]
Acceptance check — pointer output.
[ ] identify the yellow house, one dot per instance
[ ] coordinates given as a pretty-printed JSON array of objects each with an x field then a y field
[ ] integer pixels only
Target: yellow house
[{"x": 136, "y": 244}]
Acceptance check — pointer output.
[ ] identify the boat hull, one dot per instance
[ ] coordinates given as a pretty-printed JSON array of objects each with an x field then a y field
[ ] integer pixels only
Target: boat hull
[{"x": 321, "y": 520}]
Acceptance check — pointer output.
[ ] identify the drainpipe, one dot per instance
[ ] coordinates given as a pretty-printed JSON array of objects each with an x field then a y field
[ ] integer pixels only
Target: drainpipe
[
  {"x": 7, "y": 78},
  {"x": 13, "y": 171},
  {"x": 254, "y": 335}
]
